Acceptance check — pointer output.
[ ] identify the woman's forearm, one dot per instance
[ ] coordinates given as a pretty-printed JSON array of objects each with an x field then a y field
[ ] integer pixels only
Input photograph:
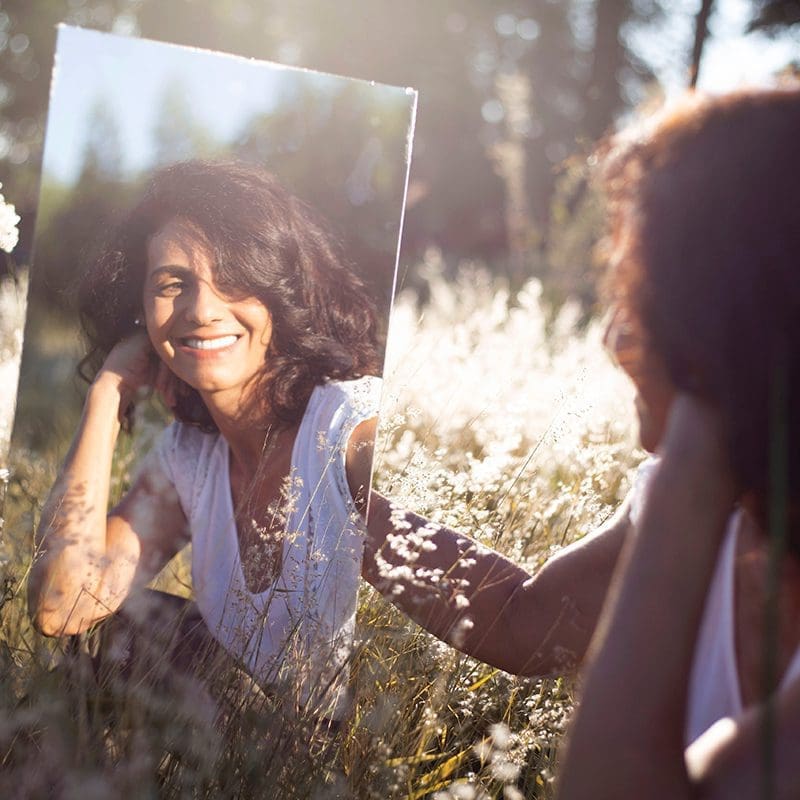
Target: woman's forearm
[
  {"x": 71, "y": 542},
  {"x": 484, "y": 604},
  {"x": 444, "y": 581}
]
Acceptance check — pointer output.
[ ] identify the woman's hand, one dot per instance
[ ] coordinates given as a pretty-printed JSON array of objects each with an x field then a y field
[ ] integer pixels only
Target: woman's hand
[
  {"x": 694, "y": 465},
  {"x": 133, "y": 365}
]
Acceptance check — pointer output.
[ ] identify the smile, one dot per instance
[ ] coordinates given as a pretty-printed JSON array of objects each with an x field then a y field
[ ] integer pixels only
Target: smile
[{"x": 209, "y": 344}]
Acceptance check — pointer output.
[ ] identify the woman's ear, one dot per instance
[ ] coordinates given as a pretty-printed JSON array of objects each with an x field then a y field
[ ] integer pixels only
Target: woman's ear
[{"x": 138, "y": 321}]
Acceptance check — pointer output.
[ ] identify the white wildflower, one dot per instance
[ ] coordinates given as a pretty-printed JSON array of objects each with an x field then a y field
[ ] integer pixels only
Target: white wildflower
[
  {"x": 9, "y": 219},
  {"x": 462, "y": 791},
  {"x": 483, "y": 749},
  {"x": 398, "y": 518},
  {"x": 501, "y": 735},
  {"x": 503, "y": 770}
]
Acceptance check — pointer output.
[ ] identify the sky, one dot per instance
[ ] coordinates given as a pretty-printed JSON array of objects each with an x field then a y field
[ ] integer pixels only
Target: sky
[
  {"x": 733, "y": 59},
  {"x": 129, "y": 75},
  {"x": 730, "y": 59}
]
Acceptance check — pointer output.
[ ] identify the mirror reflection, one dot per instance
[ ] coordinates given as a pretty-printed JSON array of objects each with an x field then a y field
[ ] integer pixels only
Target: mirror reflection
[{"x": 215, "y": 254}]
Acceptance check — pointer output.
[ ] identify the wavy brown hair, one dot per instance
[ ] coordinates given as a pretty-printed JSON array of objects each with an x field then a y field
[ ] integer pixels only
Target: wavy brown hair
[
  {"x": 265, "y": 243},
  {"x": 704, "y": 208}
]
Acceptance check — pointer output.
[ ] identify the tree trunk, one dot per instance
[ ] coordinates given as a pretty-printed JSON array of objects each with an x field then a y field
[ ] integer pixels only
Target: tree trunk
[{"x": 700, "y": 36}]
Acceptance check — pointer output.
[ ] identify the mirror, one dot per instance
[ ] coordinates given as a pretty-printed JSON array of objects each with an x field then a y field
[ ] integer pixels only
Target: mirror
[{"x": 129, "y": 115}]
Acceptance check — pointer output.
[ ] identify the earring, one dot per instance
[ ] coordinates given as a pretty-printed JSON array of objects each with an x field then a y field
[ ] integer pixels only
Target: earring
[{"x": 137, "y": 322}]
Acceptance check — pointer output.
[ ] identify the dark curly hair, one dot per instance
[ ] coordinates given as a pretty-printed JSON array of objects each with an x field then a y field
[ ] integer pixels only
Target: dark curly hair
[
  {"x": 704, "y": 207},
  {"x": 264, "y": 242}
]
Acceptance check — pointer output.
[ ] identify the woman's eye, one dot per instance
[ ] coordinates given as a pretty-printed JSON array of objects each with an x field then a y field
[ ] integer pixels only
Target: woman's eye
[{"x": 171, "y": 288}]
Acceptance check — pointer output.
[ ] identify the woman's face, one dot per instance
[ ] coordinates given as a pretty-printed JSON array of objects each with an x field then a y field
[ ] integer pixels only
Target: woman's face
[
  {"x": 213, "y": 341},
  {"x": 626, "y": 342}
]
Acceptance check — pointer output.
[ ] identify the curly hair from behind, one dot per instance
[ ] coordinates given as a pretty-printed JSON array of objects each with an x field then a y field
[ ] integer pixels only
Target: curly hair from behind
[
  {"x": 704, "y": 211},
  {"x": 265, "y": 243}
]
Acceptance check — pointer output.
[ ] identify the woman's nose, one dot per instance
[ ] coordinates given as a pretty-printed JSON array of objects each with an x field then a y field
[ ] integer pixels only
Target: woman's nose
[{"x": 204, "y": 305}]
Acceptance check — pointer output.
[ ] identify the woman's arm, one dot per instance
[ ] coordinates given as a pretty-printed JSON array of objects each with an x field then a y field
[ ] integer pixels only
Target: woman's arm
[
  {"x": 86, "y": 562},
  {"x": 627, "y": 736},
  {"x": 476, "y": 599}
]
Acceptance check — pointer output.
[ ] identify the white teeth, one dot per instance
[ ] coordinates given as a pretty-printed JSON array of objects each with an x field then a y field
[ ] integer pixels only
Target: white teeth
[{"x": 210, "y": 344}]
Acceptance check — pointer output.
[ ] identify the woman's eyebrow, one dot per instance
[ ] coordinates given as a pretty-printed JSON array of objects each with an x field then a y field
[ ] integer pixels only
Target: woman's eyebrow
[{"x": 169, "y": 269}]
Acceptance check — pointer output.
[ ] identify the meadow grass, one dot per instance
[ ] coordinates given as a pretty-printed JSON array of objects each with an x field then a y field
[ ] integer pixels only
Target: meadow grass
[{"x": 501, "y": 419}]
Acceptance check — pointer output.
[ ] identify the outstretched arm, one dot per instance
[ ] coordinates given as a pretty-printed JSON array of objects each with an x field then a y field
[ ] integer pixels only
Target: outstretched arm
[
  {"x": 477, "y": 599},
  {"x": 86, "y": 560}
]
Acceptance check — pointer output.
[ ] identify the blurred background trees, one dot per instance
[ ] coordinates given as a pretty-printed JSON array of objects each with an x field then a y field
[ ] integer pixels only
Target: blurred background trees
[{"x": 509, "y": 90}]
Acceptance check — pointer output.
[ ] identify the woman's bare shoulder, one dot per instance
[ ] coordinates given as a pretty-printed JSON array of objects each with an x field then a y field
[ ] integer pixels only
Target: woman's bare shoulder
[{"x": 358, "y": 459}]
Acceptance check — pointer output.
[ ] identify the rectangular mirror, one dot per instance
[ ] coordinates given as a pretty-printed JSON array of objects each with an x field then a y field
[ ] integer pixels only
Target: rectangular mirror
[{"x": 246, "y": 216}]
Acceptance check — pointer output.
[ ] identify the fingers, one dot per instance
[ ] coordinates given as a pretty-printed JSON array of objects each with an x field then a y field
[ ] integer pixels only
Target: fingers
[
  {"x": 137, "y": 366},
  {"x": 133, "y": 362}
]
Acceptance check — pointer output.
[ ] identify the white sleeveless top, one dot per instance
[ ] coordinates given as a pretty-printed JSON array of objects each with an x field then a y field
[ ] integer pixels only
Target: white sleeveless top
[
  {"x": 714, "y": 691},
  {"x": 295, "y": 636}
]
